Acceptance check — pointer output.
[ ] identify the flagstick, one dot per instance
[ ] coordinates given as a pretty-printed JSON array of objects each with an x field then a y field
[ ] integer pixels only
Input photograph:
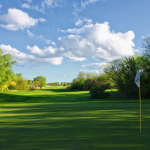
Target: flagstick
[{"x": 140, "y": 105}]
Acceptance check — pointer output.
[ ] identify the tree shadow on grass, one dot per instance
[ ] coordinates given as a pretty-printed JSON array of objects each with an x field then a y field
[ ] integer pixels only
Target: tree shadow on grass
[
  {"x": 57, "y": 89},
  {"x": 56, "y": 94},
  {"x": 72, "y": 126},
  {"x": 38, "y": 97}
]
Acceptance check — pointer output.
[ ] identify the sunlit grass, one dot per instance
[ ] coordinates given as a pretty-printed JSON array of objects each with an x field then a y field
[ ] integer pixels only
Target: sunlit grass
[{"x": 57, "y": 119}]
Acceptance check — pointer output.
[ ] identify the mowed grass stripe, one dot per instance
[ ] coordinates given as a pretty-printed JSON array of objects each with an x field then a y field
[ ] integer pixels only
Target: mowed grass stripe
[{"x": 72, "y": 123}]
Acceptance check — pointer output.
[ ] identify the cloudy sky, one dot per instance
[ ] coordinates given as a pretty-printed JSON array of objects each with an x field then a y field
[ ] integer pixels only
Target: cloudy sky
[{"x": 59, "y": 38}]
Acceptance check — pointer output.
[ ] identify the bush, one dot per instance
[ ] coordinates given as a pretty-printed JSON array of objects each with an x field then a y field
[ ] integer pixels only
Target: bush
[
  {"x": 90, "y": 82},
  {"x": 12, "y": 86},
  {"x": 98, "y": 93},
  {"x": 34, "y": 86},
  {"x": 77, "y": 85},
  {"x": 21, "y": 84}
]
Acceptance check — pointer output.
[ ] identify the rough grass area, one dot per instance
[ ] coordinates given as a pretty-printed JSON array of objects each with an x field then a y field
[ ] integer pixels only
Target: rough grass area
[{"x": 56, "y": 119}]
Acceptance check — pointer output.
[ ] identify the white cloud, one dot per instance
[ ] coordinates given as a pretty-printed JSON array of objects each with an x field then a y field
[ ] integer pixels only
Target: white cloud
[
  {"x": 25, "y": 5},
  {"x": 76, "y": 58},
  {"x": 52, "y": 3},
  {"x": 94, "y": 65},
  {"x": 28, "y": 1},
  {"x": 30, "y": 34},
  {"x": 91, "y": 71},
  {"x": 36, "y": 8},
  {"x": 81, "y": 20},
  {"x": 142, "y": 37},
  {"x": 17, "y": 19},
  {"x": 0, "y": 6},
  {"x": 77, "y": 31},
  {"x": 41, "y": 37},
  {"x": 48, "y": 51},
  {"x": 50, "y": 42},
  {"x": 136, "y": 50},
  {"x": 42, "y": 20},
  {"x": 83, "y": 4},
  {"x": 35, "y": 58},
  {"x": 98, "y": 41}
]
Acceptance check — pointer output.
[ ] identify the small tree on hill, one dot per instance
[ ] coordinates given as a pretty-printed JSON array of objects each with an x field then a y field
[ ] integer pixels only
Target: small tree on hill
[
  {"x": 35, "y": 84},
  {"x": 41, "y": 81}
]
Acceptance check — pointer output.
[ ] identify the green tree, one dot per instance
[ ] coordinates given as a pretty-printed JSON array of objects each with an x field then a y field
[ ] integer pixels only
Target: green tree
[
  {"x": 22, "y": 84},
  {"x": 29, "y": 82},
  {"x": 56, "y": 83},
  {"x": 6, "y": 71},
  {"x": 41, "y": 81},
  {"x": 35, "y": 84},
  {"x": 123, "y": 72},
  {"x": 146, "y": 46},
  {"x": 90, "y": 81}
]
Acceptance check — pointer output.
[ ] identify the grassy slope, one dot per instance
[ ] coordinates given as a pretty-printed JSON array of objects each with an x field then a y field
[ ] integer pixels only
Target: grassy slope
[{"x": 61, "y": 120}]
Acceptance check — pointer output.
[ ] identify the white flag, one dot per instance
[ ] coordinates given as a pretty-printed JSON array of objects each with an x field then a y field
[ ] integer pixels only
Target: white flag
[{"x": 137, "y": 78}]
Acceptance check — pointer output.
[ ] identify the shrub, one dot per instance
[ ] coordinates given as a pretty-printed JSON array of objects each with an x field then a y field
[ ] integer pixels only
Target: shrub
[
  {"x": 98, "y": 93},
  {"x": 12, "y": 85},
  {"x": 34, "y": 86},
  {"x": 77, "y": 85},
  {"x": 90, "y": 82},
  {"x": 21, "y": 84}
]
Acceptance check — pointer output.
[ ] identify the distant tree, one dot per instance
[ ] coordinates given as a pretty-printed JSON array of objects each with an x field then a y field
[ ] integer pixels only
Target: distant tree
[
  {"x": 63, "y": 84},
  {"x": 41, "y": 81},
  {"x": 81, "y": 75},
  {"x": 78, "y": 83},
  {"x": 35, "y": 84},
  {"x": 56, "y": 83},
  {"x": 29, "y": 82},
  {"x": 105, "y": 82},
  {"x": 91, "y": 80}
]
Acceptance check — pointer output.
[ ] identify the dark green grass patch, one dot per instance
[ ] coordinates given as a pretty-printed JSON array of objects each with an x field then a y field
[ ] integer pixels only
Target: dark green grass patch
[{"x": 71, "y": 121}]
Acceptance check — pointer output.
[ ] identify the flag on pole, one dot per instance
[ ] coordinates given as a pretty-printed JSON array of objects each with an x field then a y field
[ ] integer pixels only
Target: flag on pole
[
  {"x": 137, "y": 82},
  {"x": 137, "y": 78}
]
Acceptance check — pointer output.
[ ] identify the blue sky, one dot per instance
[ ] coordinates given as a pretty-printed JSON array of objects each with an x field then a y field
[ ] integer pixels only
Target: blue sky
[{"x": 59, "y": 38}]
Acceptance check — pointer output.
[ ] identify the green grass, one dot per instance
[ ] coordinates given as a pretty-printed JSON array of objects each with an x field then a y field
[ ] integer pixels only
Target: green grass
[{"x": 56, "y": 119}]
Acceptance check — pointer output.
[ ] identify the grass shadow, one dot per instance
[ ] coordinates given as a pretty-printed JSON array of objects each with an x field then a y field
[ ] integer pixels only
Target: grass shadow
[{"x": 72, "y": 126}]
